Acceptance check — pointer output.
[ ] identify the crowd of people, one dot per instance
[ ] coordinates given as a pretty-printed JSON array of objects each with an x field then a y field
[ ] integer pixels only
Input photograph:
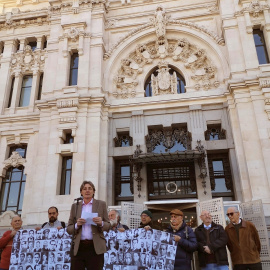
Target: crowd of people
[{"x": 89, "y": 249}]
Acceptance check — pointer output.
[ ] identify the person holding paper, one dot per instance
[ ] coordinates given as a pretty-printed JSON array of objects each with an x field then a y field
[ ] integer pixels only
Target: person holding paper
[{"x": 88, "y": 219}]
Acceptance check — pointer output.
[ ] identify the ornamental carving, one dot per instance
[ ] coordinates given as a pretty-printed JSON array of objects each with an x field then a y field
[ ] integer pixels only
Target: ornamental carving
[
  {"x": 123, "y": 140},
  {"x": 203, "y": 70},
  {"x": 255, "y": 8},
  {"x": 28, "y": 60},
  {"x": 265, "y": 84},
  {"x": 164, "y": 82},
  {"x": 168, "y": 138},
  {"x": 10, "y": 23},
  {"x": 215, "y": 133},
  {"x": 15, "y": 160},
  {"x": 159, "y": 25},
  {"x": 67, "y": 103}
]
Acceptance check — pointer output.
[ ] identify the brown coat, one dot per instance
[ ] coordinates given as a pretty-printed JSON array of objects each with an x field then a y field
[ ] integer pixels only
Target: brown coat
[
  {"x": 247, "y": 249},
  {"x": 98, "y": 237}
]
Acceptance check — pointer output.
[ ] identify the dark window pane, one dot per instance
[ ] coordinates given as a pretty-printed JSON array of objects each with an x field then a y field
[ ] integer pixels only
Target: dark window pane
[
  {"x": 74, "y": 65},
  {"x": 4, "y": 195},
  {"x": 20, "y": 150},
  {"x": 11, "y": 92},
  {"x": 125, "y": 171},
  {"x": 14, "y": 194},
  {"x": 40, "y": 86},
  {"x": 21, "y": 195},
  {"x": 220, "y": 185},
  {"x": 25, "y": 91},
  {"x": 125, "y": 190},
  {"x": 260, "y": 47},
  {"x": 218, "y": 165},
  {"x": 69, "y": 163},
  {"x": 66, "y": 176},
  {"x": 33, "y": 45}
]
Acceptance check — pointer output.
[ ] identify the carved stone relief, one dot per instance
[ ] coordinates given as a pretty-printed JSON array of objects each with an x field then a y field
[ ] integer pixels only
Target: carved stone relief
[
  {"x": 15, "y": 160},
  {"x": 160, "y": 26},
  {"x": 255, "y": 8},
  {"x": 28, "y": 60},
  {"x": 164, "y": 83},
  {"x": 182, "y": 50}
]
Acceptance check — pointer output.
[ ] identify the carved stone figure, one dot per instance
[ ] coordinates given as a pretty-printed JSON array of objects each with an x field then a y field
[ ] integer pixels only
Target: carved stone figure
[
  {"x": 160, "y": 22},
  {"x": 164, "y": 83},
  {"x": 15, "y": 160}
]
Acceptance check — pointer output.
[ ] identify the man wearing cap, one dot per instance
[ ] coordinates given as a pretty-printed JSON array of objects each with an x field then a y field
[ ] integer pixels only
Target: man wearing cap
[
  {"x": 146, "y": 221},
  {"x": 185, "y": 239},
  {"x": 243, "y": 242},
  {"x": 212, "y": 241}
]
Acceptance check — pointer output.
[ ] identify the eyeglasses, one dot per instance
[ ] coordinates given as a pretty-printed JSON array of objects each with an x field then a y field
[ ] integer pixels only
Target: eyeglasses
[{"x": 230, "y": 214}]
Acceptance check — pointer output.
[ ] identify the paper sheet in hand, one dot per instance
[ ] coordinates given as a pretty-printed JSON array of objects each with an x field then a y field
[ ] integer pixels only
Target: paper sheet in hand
[{"x": 89, "y": 218}]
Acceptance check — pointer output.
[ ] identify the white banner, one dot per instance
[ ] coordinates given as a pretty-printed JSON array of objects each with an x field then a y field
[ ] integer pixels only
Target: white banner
[
  {"x": 139, "y": 249},
  {"x": 46, "y": 249}
]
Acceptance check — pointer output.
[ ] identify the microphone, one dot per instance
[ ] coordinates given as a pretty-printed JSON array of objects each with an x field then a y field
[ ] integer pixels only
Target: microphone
[{"x": 78, "y": 199}]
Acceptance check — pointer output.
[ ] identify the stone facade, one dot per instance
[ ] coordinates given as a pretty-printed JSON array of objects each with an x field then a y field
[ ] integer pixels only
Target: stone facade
[{"x": 120, "y": 43}]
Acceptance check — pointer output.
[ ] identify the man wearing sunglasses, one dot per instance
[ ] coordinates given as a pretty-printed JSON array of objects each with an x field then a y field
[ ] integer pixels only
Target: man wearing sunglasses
[{"x": 243, "y": 242}]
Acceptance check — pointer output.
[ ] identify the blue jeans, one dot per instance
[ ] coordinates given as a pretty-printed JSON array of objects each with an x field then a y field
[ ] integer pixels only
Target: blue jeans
[{"x": 214, "y": 266}]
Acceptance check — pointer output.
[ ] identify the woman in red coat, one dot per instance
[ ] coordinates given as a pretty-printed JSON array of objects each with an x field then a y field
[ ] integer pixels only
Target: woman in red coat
[{"x": 7, "y": 240}]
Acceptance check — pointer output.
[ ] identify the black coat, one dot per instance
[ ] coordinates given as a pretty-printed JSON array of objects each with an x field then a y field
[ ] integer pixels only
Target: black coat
[
  {"x": 218, "y": 240},
  {"x": 185, "y": 247}
]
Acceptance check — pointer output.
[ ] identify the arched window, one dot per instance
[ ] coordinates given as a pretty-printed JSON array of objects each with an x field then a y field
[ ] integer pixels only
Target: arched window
[
  {"x": 12, "y": 189},
  {"x": 180, "y": 82}
]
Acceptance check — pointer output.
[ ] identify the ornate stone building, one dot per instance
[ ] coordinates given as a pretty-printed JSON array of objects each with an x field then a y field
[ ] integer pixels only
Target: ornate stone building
[{"x": 157, "y": 102}]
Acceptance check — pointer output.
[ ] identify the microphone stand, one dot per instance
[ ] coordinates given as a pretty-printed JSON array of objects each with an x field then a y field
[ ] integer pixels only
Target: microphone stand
[{"x": 74, "y": 228}]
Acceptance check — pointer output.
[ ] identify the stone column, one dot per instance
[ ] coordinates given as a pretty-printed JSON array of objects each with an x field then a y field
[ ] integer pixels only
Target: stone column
[
  {"x": 16, "y": 92},
  {"x": 34, "y": 90},
  {"x": 197, "y": 128},
  {"x": 22, "y": 44},
  {"x": 39, "y": 43},
  {"x": 251, "y": 147},
  {"x": 138, "y": 133},
  {"x": 5, "y": 74}
]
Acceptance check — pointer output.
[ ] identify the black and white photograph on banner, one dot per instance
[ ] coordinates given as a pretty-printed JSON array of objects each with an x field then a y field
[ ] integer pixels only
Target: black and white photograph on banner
[
  {"x": 139, "y": 249},
  {"x": 45, "y": 249}
]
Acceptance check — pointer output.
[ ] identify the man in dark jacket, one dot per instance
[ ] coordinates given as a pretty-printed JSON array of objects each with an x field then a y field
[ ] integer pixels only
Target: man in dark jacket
[
  {"x": 185, "y": 238},
  {"x": 146, "y": 221},
  {"x": 212, "y": 241}
]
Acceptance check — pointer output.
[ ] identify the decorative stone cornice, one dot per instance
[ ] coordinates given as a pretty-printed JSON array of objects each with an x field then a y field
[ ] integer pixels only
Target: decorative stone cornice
[
  {"x": 15, "y": 160},
  {"x": 255, "y": 8},
  {"x": 67, "y": 103},
  {"x": 28, "y": 60},
  {"x": 11, "y": 23},
  {"x": 265, "y": 83},
  {"x": 152, "y": 23}
]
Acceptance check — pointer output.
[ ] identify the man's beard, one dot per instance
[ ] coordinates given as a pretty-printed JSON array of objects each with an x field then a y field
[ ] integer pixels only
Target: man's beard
[
  {"x": 52, "y": 219},
  {"x": 113, "y": 222}
]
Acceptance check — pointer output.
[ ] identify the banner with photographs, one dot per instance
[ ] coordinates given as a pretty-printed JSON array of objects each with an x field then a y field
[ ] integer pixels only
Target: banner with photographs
[
  {"x": 139, "y": 249},
  {"x": 46, "y": 249}
]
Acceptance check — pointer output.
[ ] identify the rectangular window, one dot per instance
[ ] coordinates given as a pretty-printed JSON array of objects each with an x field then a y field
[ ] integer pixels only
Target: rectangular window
[
  {"x": 33, "y": 45},
  {"x": 11, "y": 92},
  {"x": 66, "y": 175},
  {"x": 40, "y": 86},
  {"x": 214, "y": 132},
  {"x": 12, "y": 188},
  {"x": 74, "y": 65},
  {"x": 123, "y": 182},
  {"x": 220, "y": 176},
  {"x": 260, "y": 47},
  {"x": 25, "y": 91},
  {"x": 69, "y": 139}
]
